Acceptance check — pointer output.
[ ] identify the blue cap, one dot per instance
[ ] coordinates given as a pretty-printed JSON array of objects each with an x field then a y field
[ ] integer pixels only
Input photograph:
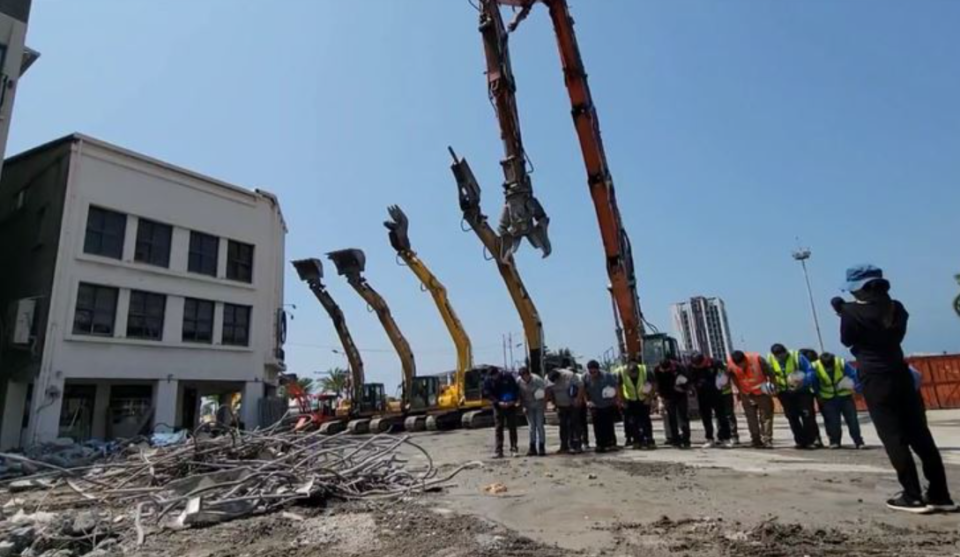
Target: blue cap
[{"x": 859, "y": 275}]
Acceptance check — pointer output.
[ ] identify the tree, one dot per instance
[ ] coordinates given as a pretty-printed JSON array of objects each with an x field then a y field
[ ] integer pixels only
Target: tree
[
  {"x": 552, "y": 359},
  {"x": 307, "y": 384},
  {"x": 335, "y": 381}
]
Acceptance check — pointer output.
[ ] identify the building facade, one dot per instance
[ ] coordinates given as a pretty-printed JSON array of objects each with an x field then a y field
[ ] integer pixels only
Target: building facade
[
  {"x": 15, "y": 58},
  {"x": 701, "y": 325},
  {"x": 131, "y": 289}
]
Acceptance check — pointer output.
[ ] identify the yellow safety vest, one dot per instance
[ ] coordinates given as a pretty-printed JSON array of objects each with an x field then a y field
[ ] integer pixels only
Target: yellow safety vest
[
  {"x": 828, "y": 381},
  {"x": 779, "y": 374},
  {"x": 632, "y": 390}
]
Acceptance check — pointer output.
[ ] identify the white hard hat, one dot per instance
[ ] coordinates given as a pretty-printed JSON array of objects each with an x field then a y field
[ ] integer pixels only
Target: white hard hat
[
  {"x": 795, "y": 379},
  {"x": 846, "y": 384},
  {"x": 723, "y": 380},
  {"x": 647, "y": 388},
  {"x": 768, "y": 388}
]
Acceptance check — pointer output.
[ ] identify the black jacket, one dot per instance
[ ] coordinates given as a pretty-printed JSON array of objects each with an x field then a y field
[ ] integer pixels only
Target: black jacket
[
  {"x": 666, "y": 375},
  {"x": 501, "y": 388},
  {"x": 873, "y": 332},
  {"x": 704, "y": 376}
]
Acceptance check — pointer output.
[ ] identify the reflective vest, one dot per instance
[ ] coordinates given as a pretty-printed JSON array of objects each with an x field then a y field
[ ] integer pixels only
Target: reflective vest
[
  {"x": 750, "y": 379},
  {"x": 779, "y": 373},
  {"x": 829, "y": 379},
  {"x": 630, "y": 389}
]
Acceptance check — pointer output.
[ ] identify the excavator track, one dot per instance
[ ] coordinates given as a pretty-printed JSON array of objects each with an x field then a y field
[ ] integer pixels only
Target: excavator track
[
  {"x": 477, "y": 419},
  {"x": 415, "y": 423},
  {"x": 359, "y": 426},
  {"x": 333, "y": 427},
  {"x": 386, "y": 424}
]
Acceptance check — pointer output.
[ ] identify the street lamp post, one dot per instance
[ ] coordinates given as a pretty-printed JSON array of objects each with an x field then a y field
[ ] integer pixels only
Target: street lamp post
[{"x": 802, "y": 255}]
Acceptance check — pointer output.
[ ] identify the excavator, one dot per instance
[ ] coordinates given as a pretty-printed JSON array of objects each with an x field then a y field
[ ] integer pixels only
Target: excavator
[
  {"x": 616, "y": 243},
  {"x": 461, "y": 402},
  {"x": 523, "y": 216},
  {"x": 364, "y": 400},
  {"x": 418, "y": 394}
]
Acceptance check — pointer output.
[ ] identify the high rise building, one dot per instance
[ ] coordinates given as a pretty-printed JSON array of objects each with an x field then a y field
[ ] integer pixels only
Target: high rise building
[{"x": 701, "y": 325}]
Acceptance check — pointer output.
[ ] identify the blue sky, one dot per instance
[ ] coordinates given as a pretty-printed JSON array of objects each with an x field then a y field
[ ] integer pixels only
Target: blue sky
[{"x": 731, "y": 127}]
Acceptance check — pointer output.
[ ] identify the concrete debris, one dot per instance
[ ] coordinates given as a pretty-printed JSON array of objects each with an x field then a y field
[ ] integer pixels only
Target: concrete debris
[
  {"x": 495, "y": 489},
  {"x": 219, "y": 475}
]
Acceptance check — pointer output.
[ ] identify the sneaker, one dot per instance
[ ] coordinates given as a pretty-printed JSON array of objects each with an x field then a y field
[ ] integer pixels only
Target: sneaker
[
  {"x": 532, "y": 452},
  {"x": 708, "y": 445},
  {"x": 637, "y": 446},
  {"x": 834, "y": 446},
  {"x": 563, "y": 451},
  {"x": 941, "y": 505},
  {"x": 903, "y": 503},
  {"x": 685, "y": 445},
  {"x": 768, "y": 445},
  {"x": 728, "y": 444},
  {"x": 498, "y": 454},
  {"x": 862, "y": 446}
]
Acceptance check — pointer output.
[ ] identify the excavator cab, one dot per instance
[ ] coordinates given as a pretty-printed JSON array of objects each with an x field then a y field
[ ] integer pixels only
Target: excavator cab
[
  {"x": 350, "y": 263},
  {"x": 424, "y": 393},
  {"x": 374, "y": 399},
  {"x": 658, "y": 347}
]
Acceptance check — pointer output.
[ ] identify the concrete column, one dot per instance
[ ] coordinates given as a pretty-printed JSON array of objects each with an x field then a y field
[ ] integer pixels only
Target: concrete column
[
  {"x": 101, "y": 406},
  {"x": 123, "y": 311},
  {"x": 13, "y": 402},
  {"x": 165, "y": 405},
  {"x": 130, "y": 238},
  {"x": 222, "y": 258},
  {"x": 250, "y": 404},
  {"x": 45, "y": 409},
  {"x": 179, "y": 249},
  {"x": 218, "y": 323},
  {"x": 173, "y": 320}
]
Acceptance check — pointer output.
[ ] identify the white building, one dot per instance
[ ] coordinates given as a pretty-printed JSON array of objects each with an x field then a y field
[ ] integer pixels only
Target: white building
[
  {"x": 129, "y": 290},
  {"x": 701, "y": 325},
  {"x": 15, "y": 58}
]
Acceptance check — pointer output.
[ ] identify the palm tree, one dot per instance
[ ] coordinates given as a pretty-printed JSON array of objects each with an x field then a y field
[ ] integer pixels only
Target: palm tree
[
  {"x": 335, "y": 381},
  {"x": 308, "y": 384}
]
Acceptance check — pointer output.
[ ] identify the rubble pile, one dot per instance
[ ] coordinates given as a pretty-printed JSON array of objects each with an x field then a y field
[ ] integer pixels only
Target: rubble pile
[{"x": 200, "y": 481}]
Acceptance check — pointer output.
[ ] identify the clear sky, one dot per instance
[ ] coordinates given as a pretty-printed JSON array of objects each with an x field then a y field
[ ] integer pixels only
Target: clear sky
[{"x": 732, "y": 128}]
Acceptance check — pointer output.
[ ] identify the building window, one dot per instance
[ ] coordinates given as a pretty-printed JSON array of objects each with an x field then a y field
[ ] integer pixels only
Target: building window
[
  {"x": 145, "y": 319},
  {"x": 96, "y": 310},
  {"x": 105, "y": 231},
  {"x": 240, "y": 261},
  {"x": 236, "y": 325},
  {"x": 153, "y": 243},
  {"x": 204, "y": 250},
  {"x": 197, "y": 321}
]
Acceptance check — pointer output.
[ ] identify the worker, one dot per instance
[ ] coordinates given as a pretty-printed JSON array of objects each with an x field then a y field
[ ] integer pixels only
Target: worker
[
  {"x": 704, "y": 373},
  {"x": 752, "y": 376},
  {"x": 564, "y": 392},
  {"x": 673, "y": 385},
  {"x": 602, "y": 398},
  {"x": 811, "y": 355},
  {"x": 834, "y": 385},
  {"x": 584, "y": 417},
  {"x": 636, "y": 392},
  {"x": 873, "y": 328},
  {"x": 533, "y": 395},
  {"x": 501, "y": 389},
  {"x": 793, "y": 377},
  {"x": 728, "y": 402}
]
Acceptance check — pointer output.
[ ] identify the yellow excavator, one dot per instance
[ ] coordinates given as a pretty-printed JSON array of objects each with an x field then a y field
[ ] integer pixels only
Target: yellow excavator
[
  {"x": 461, "y": 402},
  {"x": 363, "y": 400},
  {"x": 418, "y": 394}
]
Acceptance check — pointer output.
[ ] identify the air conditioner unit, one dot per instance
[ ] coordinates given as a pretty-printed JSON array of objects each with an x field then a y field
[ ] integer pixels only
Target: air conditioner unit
[{"x": 23, "y": 324}]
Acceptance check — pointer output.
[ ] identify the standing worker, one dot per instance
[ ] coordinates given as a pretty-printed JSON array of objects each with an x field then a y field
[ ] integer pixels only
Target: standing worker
[
  {"x": 752, "y": 375},
  {"x": 636, "y": 391},
  {"x": 673, "y": 385},
  {"x": 564, "y": 392},
  {"x": 602, "y": 397},
  {"x": 533, "y": 395},
  {"x": 793, "y": 376},
  {"x": 728, "y": 403},
  {"x": 502, "y": 391},
  {"x": 834, "y": 384},
  {"x": 705, "y": 373},
  {"x": 873, "y": 328}
]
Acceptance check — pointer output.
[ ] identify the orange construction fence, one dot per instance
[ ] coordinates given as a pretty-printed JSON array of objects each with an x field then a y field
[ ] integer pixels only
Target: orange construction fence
[{"x": 940, "y": 386}]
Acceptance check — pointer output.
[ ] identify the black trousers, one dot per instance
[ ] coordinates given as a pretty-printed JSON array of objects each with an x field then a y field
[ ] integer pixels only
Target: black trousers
[
  {"x": 897, "y": 411},
  {"x": 506, "y": 417},
  {"x": 603, "y": 427},
  {"x": 798, "y": 407},
  {"x": 678, "y": 419},
  {"x": 710, "y": 404},
  {"x": 584, "y": 426},
  {"x": 636, "y": 422},
  {"x": 728, "y": 408},
  {"x": 569, "y": 417}
]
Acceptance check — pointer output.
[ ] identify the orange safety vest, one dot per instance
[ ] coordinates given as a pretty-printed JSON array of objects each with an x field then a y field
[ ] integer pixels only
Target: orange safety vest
[{"x": 750, "y": 379}]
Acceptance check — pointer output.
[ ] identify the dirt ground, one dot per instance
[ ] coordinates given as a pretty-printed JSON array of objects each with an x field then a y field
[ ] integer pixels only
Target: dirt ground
[{"x": 695, "y": 503}]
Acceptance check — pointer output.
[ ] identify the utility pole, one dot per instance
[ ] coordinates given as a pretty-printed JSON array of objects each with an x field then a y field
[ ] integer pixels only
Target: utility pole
[{"x": 802, "y": 255}]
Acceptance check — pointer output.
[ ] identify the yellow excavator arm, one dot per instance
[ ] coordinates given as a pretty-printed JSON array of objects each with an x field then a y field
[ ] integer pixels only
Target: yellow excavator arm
[
  {"x": 469, "y": 190},
  {"x": 350, "y": 263},
  {"x": 398, "y": 226}
]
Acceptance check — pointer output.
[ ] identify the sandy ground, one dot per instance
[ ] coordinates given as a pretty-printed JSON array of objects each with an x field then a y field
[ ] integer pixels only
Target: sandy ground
[{"x": 694, "y": 503}]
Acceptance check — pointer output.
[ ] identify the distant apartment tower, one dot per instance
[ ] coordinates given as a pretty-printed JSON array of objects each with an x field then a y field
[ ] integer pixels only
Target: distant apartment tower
[{"x": 701, "y": 325}]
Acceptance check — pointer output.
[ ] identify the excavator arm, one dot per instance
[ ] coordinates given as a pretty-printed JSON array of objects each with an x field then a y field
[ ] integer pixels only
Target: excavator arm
[
  {"x": 523, "y": 216},
  {"x": 616, "y": 244},
  {"x": 350, "y": 263},
  {"x": 469, "y": 190},
  {"x": 400, "y": 240},
  {"x": 311, "y": 272}
]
